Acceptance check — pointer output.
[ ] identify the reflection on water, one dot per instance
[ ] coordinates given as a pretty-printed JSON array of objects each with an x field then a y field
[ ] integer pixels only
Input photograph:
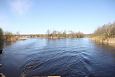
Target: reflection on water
[
  {"x": 1, "y": 46},
  {"x": 64, "y": 57}
]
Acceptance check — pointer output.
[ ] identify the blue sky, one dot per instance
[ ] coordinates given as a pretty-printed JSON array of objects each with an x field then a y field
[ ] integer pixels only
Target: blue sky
[{"x": 37, "y": 16}]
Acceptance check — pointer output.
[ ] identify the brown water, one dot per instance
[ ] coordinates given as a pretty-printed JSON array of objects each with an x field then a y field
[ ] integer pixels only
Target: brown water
[{"x": 64, "y": 57}]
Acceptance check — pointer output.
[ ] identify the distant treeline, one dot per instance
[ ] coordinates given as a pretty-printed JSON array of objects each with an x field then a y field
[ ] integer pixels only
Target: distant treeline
[
  {"x": 9, "y": 36},
  {"x": 64, "y": 34}
]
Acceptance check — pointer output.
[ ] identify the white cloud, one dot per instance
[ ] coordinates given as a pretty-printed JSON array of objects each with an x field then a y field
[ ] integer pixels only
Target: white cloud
[{"x": 20, "y": 6}]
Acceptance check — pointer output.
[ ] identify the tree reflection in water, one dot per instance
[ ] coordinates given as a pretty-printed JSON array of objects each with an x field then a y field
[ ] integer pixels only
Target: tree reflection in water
[{"x": 1, "y": 46}]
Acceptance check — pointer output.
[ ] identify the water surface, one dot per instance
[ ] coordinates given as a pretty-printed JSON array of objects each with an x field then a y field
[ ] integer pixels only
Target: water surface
[{"x": 64, "y": 57}]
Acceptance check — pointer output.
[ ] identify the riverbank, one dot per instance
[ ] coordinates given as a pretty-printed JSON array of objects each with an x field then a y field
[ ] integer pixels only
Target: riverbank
[
  {"x": 10, "y": 38},
  {"x": 109, "y": 41}
]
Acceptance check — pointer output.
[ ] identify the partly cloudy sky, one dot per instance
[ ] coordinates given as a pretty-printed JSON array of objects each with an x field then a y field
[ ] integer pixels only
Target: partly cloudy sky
[{"x": 37, "y": 16}]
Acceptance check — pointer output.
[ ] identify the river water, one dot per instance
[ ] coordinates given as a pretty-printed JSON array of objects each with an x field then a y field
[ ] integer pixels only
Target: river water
[{"x": 62, "y": 57}]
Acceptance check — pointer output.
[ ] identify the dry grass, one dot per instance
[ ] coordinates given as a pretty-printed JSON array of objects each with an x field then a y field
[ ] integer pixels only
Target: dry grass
[{"x": 110, "y": 41}]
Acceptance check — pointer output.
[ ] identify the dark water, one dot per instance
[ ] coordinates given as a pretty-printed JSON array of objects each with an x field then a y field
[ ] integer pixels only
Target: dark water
[{"x": 64, "y": 57}]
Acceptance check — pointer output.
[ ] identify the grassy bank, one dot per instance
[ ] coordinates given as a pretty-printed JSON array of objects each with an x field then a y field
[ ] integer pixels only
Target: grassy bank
[
  {"x": 103, "y": 40},
  {"x": 110, "y": 41}
]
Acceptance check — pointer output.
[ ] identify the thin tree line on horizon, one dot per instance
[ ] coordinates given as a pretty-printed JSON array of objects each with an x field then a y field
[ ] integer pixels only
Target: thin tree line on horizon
[
  {"x": 9, "y": 36},
  {"x": 64, "y": 34}
]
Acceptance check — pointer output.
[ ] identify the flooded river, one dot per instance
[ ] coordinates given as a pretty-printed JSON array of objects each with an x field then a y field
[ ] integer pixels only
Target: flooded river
[{"x": 62, "y": 57}]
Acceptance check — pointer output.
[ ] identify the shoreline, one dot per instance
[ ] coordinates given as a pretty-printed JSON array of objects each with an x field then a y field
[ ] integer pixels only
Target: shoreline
[{"x": 110, "y": 41}]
